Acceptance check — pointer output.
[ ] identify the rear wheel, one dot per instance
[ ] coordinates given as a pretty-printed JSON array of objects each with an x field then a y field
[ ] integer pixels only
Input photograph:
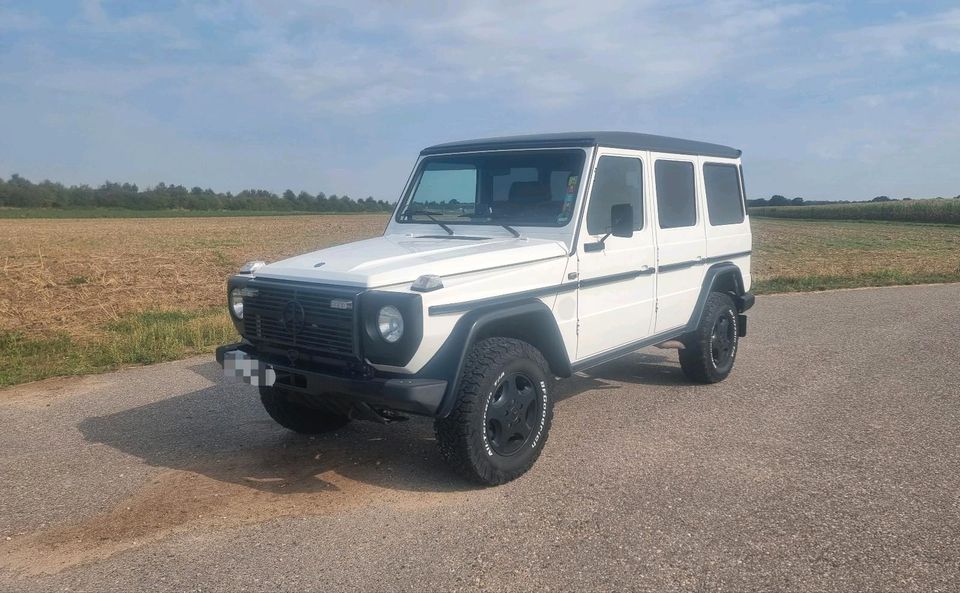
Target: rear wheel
[
  {"x": 710, "y": 351},
  {"x": 504, "y": 406},
  {"x": 298, "y": 417}
]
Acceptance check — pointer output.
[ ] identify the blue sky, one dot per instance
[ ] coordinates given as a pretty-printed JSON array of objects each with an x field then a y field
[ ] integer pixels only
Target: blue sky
[{"x": 828, "y": 100}]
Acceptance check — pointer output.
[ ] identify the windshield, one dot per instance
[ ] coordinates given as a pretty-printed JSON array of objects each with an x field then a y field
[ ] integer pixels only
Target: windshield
[{"x": 524, "y": 188}]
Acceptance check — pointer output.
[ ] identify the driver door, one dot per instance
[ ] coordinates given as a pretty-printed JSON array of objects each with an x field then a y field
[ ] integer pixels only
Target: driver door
[{"x": 616, "y": 298}]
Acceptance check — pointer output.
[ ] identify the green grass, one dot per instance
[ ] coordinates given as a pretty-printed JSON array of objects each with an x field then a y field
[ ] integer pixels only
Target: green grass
[
  {"x": 943, "y": 211},
  {"x": 17, "y": 213},
  {"x": 142, "y": 338},
  {"x": 868, "y": 279}
]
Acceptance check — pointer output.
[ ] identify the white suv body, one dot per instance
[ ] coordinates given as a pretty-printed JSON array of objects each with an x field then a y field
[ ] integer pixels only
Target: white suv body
[{"x": 579, "y": 247}]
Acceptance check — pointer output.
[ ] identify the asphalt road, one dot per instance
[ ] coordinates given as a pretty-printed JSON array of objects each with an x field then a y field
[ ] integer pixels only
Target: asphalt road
[{"x": 829, "y": 461}]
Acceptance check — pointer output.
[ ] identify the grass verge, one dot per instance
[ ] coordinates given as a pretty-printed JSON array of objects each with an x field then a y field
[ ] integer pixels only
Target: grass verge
[
  {"x": 140, "y": 338},
  {"x": 867, "y": 279}
]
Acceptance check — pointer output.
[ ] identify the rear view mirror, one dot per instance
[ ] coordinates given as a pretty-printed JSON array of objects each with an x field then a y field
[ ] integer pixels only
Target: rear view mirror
[{"x": 621, "y": 220}]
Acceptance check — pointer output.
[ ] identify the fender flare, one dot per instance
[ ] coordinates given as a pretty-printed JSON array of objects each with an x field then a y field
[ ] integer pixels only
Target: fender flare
[
  {"x": 522, "y": 317},
  {"x": 725, "y": 275}
]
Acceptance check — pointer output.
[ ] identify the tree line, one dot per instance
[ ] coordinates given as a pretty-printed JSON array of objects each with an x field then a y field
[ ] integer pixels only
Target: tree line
[
  {"x": 18, "y": 192},
  {"x": 778, "y": 200}
]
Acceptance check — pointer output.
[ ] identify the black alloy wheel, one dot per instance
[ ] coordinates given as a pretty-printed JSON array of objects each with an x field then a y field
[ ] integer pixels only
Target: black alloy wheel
[
  {"x": 710, "y": 350},
  {"x": 513, "y": 414},
  {"x": 722, "y": 340},
  {"x": 501, "y": 418}
]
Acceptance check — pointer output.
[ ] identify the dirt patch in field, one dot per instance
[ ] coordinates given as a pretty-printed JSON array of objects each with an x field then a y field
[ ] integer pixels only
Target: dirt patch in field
[
  {"x": 74, "y": 275},
  {"x": 43, "y": 392},
  {"x": 180, "y": 501}
]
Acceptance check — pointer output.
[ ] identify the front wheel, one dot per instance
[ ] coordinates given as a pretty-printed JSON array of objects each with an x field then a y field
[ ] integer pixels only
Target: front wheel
[
  {"x": 710, "y": 350},
  {"x": 502, "y": 415}
]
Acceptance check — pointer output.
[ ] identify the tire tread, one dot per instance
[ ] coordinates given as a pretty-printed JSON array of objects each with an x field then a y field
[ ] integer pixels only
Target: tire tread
[{"x": 457, "y": 433}]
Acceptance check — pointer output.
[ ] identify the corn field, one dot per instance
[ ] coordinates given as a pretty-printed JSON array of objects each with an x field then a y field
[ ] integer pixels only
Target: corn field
[{"x": 944, "y": 211}]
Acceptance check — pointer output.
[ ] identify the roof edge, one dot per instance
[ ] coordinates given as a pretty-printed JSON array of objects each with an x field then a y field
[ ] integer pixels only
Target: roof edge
[{"x": 625, "y": 140}]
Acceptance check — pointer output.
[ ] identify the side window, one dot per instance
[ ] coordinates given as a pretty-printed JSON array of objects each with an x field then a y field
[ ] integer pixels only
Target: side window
[
  {"x": 619, "y": 180},
  {"x": 724, "y": 201},
  {"x": 676, "y": 196}
]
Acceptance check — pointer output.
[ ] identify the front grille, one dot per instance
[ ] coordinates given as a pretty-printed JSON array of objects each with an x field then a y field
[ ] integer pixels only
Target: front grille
[{"x": 300, "y": 317}]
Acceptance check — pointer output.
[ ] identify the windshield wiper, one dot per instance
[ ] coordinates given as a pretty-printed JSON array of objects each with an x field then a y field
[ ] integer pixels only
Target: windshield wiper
[
  {"x": 492, "y": 218},
  {"x": 431, "y": 215}
]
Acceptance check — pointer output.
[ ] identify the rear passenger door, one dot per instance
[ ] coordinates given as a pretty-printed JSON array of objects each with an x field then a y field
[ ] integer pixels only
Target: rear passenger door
[{"x": 681, "y": 244}]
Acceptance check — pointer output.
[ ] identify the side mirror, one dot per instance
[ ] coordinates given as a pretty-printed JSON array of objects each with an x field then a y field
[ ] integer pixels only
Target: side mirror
[{"x": 621, "y": 220}]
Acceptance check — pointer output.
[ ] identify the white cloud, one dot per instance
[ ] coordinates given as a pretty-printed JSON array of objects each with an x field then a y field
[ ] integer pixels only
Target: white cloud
[
  {"x": 542, "y": 53},
  {"x": 939, "y": 32},
  {"x": 95, "y": 18},
  {"x": 315, "y": 93}
]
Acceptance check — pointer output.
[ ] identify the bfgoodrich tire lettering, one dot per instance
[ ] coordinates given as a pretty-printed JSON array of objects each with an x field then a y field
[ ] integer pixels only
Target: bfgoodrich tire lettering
[
  {"x": 710, "y": 351},
  {"x": 502, "y": 416},
  {"x": 299, "y": 418}
]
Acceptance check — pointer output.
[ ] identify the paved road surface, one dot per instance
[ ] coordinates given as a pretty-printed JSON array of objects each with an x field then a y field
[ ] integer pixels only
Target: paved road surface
[{"x": 830, "y": 460}]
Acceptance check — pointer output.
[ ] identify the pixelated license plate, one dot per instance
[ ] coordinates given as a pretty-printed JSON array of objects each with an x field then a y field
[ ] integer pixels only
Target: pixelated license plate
[{"x": 240, "y": 366}]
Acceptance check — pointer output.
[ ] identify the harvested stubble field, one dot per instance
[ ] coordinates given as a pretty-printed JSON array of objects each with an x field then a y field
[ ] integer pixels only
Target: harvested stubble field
[{"x": 85, "y": 295}]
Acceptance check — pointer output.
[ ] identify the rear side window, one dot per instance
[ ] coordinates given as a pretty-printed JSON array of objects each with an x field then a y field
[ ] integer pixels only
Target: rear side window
[
  {"x": 619, "y": 180},
  {"x": 724, "y": 200},
  {"x": 676, "y": 197}
]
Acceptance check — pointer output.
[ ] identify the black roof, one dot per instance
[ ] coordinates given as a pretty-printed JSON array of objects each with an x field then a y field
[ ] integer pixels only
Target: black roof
[{"x": 630, "y": 140}]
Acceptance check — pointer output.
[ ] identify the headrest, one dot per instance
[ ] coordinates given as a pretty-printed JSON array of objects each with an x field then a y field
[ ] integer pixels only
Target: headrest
[{"x": 529, "y": 192}]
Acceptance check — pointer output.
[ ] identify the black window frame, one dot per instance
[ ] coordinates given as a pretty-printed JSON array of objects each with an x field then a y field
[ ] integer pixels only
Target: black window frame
[
  {"x": 706, "y": 192},
  {"x": 418, "y": 172},
  {"x": 593, "y": 185},
  {"x": 696, "y": 205}
]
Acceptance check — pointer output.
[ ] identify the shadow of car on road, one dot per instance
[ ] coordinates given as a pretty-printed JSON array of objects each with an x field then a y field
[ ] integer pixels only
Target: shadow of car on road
[
  {"x": 639, "y": 368},
  {"x": 222, "y": 432}
]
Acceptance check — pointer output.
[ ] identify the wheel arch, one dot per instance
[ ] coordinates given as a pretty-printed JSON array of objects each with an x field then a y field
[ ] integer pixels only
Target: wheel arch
[
  {"x": 724, "y": 277},
  {"x": 530, "y": 321}
]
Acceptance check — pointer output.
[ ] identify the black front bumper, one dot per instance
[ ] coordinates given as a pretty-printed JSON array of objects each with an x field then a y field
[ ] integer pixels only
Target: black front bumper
[{"x": 414, "y": 395}]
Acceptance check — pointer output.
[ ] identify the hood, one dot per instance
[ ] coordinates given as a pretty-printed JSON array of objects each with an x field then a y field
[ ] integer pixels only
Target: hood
[{"x": 396, "y": 259}]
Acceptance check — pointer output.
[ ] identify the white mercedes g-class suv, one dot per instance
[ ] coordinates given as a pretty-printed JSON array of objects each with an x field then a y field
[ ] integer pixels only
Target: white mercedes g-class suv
[{"x": 508, "y": 262}]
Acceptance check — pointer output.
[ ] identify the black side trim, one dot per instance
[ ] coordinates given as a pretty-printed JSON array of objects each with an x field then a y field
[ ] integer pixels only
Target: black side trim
[
  {"x": 615, "y": 278},
  {"x": 707, "y": 260},
  {"x": 680, "y": 265},
  {"x": 717, "y": 258},
  {"x": 503, "y": 299},
  {"x": 598, "y": 359},
  {"x": 536, "y": 292}
]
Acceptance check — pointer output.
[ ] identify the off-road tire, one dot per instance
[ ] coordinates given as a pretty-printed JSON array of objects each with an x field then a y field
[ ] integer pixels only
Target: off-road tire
[
  {"x": 297, "y": 417},
  {"x": 483, "y": 425},
  {"x": 710, "y": 351}
]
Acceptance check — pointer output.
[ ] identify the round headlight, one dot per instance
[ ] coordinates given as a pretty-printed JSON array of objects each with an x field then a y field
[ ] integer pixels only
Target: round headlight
[
  {"x": 390, "y": 324},
  {"x": 236, "y": 303}
]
